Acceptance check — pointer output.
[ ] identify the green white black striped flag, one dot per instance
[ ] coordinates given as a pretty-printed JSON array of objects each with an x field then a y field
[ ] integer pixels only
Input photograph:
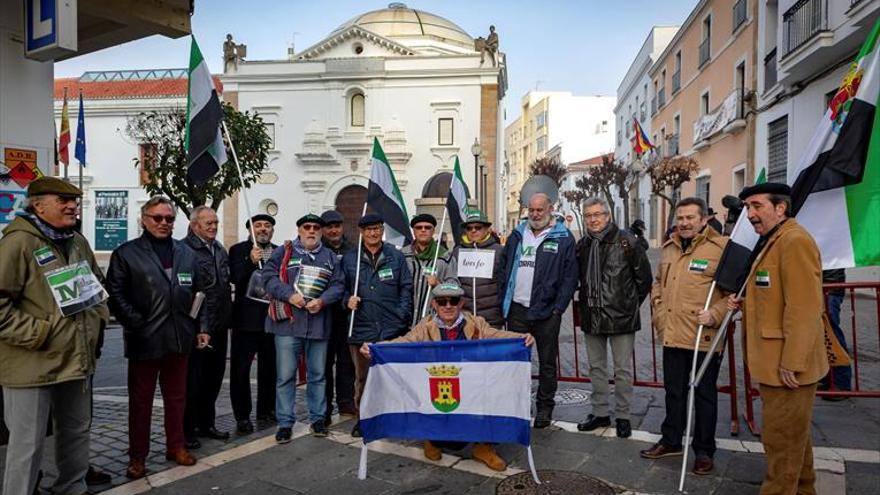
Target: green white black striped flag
[
  {"x": 205, "y": 151},
  {"x": 384, "y": 198},
  {"x": 456, "y": 202}
]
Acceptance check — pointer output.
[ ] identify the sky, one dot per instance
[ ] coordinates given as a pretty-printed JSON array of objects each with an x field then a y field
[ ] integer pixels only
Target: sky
[{"x": 581, "y": 46}]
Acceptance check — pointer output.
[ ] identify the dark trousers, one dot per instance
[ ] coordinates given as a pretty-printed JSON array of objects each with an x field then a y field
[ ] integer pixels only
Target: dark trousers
[
  {"x": 204, "y": 381},
  {"x": 546, "y": 334},
  {"x": 142, "y": 375},
  {"x": 842, "y": 375},
  {"x": 676, "y": 381},
  {"x": 246, "y": 345},
  {"x": 342, "y": 382}
]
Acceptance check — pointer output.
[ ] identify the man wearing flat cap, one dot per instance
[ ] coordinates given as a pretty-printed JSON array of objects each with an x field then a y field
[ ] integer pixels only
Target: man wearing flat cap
[
  {"x": 48, "y": 341},
  {"x": 381, "y": 301},
  {"x": 477, "y": 234},
  {"x": 784, "y": 324},
  {"x": 249, "y": 336},
  {"x": 420, "y": 258},
  {"x": 301, "y": 282}
]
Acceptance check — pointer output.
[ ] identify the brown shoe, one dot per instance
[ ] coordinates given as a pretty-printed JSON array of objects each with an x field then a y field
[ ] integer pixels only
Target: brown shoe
[
  {"x": 432, "y": 452},
  {"x": 703, "y": 465},
  {"x": 181, "y": 457},
  {"x": 486, "y": 454},
  {"x": 136, "y": 469},
  {"x": 659, "y": 451}
]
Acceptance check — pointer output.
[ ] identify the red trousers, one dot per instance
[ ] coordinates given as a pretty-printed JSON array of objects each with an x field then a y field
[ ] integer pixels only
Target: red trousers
[{"x": 171, "y": 373}]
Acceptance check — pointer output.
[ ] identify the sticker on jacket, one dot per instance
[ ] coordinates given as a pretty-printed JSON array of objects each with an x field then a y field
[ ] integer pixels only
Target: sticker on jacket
[
  {"x": 294, "y": 262},
  {"x": 762, "y": 278},
  {"x": 698, "y": 266},
  {"x": 44, "y": 256},
  {"x": 550, "y": 247},
  {"x": 184, "y": 278},
  {"x": 386, "y": 274}
]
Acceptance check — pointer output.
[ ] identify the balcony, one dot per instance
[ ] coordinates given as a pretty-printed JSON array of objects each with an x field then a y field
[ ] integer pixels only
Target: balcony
[
  {"x": 653, "y": 106},
  {"x": 661, "y": 97},
  {"x": 801, "y": 22},
  {"x": 770, "y": 70},
  {"x": 739, "y": 14},
  {"x": 676, "y": 81},
  {"x": 704, "y": 52},
  {"x": 726, "y": 118}
]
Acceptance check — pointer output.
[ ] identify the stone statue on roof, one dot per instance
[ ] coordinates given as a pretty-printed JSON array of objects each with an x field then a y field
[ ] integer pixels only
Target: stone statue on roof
[
  {"x": 232, "y": 53},
  {"x": 488, "y": 45}
]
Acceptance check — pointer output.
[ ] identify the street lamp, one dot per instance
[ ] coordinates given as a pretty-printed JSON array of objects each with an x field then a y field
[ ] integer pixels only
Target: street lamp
[
  {"x": 483, "y": 184},
  {"x": 476, "y": 150}
]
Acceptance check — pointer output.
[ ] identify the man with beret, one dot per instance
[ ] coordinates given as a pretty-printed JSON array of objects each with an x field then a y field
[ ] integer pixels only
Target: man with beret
[
  {"x": 340, "y": 381},
  {"x": 47, "y": 342},
  {"x": 784, "y": 325},
  {"x": 300, "y": 281},
  {"x": 420, "y": 257},
  {"x": 478, "y": 235},
  {"x": 381, "y": 302},
  {"x": 249, "y": 336}
]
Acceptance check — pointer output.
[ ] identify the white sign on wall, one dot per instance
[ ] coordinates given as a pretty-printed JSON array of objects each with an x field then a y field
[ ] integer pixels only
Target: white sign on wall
[
  {"x": 476, "y": 263},
  {"x": 50, "y": 29}
]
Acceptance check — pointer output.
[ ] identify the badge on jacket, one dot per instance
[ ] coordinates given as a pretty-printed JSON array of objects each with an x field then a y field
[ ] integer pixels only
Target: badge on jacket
[
  {"x": 294, "y": 261},
  {"x": 44, "y": 256},
  {"x": 550, "y": 247},
  {"x": 386, "y": 274},
  {"x": 184, "y": 278},
  {"x": 698, "y": 266},
  {"x": 762, "y": 278}
]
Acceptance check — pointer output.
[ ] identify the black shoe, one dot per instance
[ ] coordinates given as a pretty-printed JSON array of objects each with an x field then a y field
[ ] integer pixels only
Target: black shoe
[
  {"x": 328, "y": 420},
  {"x": 244, "y": 426},
  {"x": 283, "y": 435},
  {"x": 624, "y": 429},
  {"x": 213, "y": 433},
  {"x": 543, "y": 418},
  {"x": 95, "y": 477},
  {"x": 593, "y": 422},
  {"x": 833, "y": 398},
  {"x": 356, "y": 431},
  {"x": 319, "y": 429},
  {"x": 192, "y": 443}
]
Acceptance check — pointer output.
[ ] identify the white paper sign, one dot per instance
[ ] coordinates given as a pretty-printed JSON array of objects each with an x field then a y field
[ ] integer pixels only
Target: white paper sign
[{"x": 476, "y": 263}]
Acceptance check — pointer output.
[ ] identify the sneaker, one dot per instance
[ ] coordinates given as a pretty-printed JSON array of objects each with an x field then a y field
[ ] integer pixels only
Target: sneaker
[
  {"x": 624, "y": 429},
  {"x": 283, "y": 435},
  {"x": 319, "y": 429},
  {"x": 594, "y": 422}
]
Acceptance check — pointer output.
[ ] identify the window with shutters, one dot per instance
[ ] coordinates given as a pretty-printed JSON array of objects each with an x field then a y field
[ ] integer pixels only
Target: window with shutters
[
  {"x": 777, "y": 150},
  {"x": 703, "y": 187}
]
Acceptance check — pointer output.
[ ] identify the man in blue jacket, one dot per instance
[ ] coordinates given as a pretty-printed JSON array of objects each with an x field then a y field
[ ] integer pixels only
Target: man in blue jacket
[
  {"x": 541, "y": 274},
  {"x": 300, "y": 280},
  {"x": 382, "y": 302}
]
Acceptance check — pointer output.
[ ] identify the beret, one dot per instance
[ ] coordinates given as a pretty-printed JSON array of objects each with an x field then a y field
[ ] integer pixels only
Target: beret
[
  {"x": 260, "y": 217},
  {"x": 765, "y": 188},
  {"x": 332, "y": 216},
  {"x": 370, "y": 219},
  {"x": 422, "y": 218},
  {"x": 53, "y": 185},
  {"x": 310, "y": 218}
]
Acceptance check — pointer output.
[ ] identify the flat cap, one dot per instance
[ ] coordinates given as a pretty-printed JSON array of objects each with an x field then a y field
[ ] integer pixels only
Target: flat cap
[
  {"x": 260, "y": 217},
  {"x": 53, "y": 185},
  {"x": 370, "y": 219},
  {"x": 765, "y": 188},
  {"x": 448, "y": 289},
  {"x": 422, "y": 218},
  {"x": 475, "y": 216},
  {"x": 332, "y": 216},
  {"x": 310, "y": 218}
]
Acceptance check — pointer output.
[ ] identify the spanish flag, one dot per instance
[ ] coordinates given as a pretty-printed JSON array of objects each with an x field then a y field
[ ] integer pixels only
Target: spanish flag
[{"x": 640, "y": 141}]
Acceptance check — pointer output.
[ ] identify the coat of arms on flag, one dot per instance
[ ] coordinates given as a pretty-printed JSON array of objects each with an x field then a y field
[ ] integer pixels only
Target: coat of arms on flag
[{"x": 445, "y": 387}]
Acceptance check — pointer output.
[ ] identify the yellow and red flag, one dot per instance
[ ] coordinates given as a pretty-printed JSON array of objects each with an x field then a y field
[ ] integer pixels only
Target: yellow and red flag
[
  {"x": 64, "y": 137},
  {"x": 641, "y": 144}
]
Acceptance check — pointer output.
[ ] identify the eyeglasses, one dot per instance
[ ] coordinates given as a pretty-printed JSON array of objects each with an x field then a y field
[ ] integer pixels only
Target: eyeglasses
[
  {"x": 374, "y": 228},
  {"x": 447, "y": 301},
  {"x": 423, "y": 227},
  {"x": 312, "y": 227},
  {"x": 159, "y": 218},
  {"x": 595, "y": 215},
  {"x": 474, "y": 227}
]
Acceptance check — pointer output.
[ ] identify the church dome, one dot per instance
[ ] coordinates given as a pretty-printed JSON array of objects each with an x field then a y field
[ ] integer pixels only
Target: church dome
[{"x": 401, "y": 23}]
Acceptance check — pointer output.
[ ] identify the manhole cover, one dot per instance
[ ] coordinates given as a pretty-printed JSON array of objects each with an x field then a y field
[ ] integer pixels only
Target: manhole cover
[
  {"x": 570, "y": 396},
  {"x": 553, "y": 483}
]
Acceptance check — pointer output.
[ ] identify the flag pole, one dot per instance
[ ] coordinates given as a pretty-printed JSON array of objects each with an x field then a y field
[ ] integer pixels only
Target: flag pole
[
  {"x": 357, "y": 279},
  {"x": 66, "y": 163},
  {"x": 437, "y": 251},
  {"x": 690, "y": 402},
  {"x": 77, "y": 135},
  {"x": 247, "y": 204}
]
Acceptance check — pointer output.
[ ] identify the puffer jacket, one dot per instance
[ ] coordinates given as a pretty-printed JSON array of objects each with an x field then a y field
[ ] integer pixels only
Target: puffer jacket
[
  {"x": 386, "y": 294},
  {"x": 39, "y": 346},
  {"x": 214, "y": 276},
  {"x": 626, "y": 281},
  {"x": 488, "y": 289}
]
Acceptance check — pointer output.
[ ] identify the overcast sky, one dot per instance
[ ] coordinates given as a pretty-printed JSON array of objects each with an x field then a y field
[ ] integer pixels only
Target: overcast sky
[{"x": 581, "y": 46}]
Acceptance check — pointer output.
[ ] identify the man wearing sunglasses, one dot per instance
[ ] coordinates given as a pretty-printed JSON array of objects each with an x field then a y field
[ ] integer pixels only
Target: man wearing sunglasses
[
  {"x": 420, "y": 257},
  {"x": 478, "y": 235},
  {"x": 451, "y": 323},
  {"x": 152, "y": 282}
]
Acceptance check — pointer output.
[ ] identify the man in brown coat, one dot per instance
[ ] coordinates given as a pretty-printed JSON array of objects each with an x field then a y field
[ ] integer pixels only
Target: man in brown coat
[
  {"x": 784, "y": 329},
  {"x": 690, "y": 258},
  {"x": 451, "y": 323}
]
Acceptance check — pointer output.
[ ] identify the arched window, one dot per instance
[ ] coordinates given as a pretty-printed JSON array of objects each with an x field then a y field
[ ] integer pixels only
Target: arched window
[{"x": 357, "y": 110}]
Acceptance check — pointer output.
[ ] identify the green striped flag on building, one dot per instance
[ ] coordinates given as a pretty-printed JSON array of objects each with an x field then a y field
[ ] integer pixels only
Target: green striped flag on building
[
  {"x": 205, "y": 151},
  {"x": 384, "y": 198}
]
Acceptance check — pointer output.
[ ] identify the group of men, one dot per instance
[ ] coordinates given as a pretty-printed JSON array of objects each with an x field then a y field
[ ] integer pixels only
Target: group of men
[{"x": 320, "y": 297}]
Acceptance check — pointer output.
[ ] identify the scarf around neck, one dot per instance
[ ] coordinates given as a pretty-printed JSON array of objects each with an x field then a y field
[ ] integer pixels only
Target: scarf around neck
[
  {"x": 48, "y": 230},
  {"x": 301, "y": 250},
  {"x": 594, "y": 268},
  {"x": 428, "y": 254}
]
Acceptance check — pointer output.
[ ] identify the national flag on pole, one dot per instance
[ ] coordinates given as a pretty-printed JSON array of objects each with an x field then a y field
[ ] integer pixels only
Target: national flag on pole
[
  {"x": 736, "y": 260},
  {"x": 384, "y": 198},
  {"x": 468, "y": 391},
  {"x": 641, "y": 143},
  {"x": 205, "y": 151},
  {"x": 456, "y": 202},
  {"x": 836, "y": 194},
  {"x": 64, "y": 138},
  {"x": 80, "y": 150}
]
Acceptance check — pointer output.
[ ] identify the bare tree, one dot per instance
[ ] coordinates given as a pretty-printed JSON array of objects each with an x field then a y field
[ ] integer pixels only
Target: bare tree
[
  {"x": 549, "y": 167},
  {"x": 668, "y": 175}
]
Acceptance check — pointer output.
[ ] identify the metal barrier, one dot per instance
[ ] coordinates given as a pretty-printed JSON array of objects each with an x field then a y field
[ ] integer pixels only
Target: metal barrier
[{"x": 850, "y": 289}]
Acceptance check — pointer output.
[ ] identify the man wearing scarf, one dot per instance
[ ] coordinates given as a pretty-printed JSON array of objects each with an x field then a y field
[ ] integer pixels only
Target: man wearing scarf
[
  {"x": 46, "y": 359},
  {"x": 615, "y": 277},
  {"x": 420, "y": 259},
  {"x": 299, "y": 279}
]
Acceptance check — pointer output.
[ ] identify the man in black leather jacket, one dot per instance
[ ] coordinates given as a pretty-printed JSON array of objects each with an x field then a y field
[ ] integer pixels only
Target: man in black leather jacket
[
  {"x": 207, "y": 366},
  {"x": 152, "y": 281}
]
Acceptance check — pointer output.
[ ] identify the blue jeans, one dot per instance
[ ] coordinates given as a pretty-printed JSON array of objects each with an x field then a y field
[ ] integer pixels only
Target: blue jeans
[
  {"x": 842, "y": 375},
  {"x": 287, "y": 353}
]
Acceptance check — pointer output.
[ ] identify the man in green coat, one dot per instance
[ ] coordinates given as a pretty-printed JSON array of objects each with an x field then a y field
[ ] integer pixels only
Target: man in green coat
[{"x": 52, "y": 309}]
